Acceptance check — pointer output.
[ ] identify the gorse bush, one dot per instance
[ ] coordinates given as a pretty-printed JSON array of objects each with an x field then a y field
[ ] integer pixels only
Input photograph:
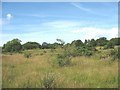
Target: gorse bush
[
  {"x": 85, "y": 51},
  {"x": 63, "y": 59},
  {"x": 48, "y": 81},
  {"x": 27, "y": 55},
  {"x": 115, "y": 54}
]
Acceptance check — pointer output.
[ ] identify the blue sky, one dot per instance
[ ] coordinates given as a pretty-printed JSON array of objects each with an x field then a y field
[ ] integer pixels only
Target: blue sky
[{"x": 45, "y": 22}]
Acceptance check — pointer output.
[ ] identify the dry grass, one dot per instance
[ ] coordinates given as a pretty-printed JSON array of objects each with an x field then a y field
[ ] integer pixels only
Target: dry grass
[{"x": 84, "y": 72}]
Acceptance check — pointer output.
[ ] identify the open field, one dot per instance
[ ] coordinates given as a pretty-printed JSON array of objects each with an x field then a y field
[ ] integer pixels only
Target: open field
[{"x": 83, "y": 72}]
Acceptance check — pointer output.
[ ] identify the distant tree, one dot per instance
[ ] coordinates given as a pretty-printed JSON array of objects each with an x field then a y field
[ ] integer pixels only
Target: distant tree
[
  {"x": 56, "y": 45},
  {"x": 109, "y": 45},
  {"x": 77, "y": 43},
  {"x": 60, "y": 41},
  {"x": 101, "y": 41},
  {"x": 31, "y": 45},
  {"x": 86, "y": 42},
  {"x": 93, "y": 42},
  {"x": 115, "y": 41},
  {"x": 44, "y": 45},
  {"x": 12, "y": 46}
]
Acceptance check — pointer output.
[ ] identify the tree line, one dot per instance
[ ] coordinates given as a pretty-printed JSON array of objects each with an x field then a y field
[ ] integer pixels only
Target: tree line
[{"x": 16, "y": 46}]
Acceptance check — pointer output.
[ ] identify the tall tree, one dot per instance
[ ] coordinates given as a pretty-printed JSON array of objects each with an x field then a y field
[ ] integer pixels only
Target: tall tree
[
  {"x": 102, "y": 41},
  {"x": 12, "y": 46},
  {"x": 31, "y": 45}
]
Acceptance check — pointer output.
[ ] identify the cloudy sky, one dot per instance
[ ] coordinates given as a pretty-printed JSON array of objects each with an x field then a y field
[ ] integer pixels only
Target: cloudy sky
[{"x": 45, "y": 22}]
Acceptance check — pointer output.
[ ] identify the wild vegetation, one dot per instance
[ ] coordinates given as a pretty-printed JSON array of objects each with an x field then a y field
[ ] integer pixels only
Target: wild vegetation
[{"x": 89, "y": 64}]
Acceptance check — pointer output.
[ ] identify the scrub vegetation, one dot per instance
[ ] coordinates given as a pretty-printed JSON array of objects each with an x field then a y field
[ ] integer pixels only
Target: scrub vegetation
[{"x": 89, "y": 64}]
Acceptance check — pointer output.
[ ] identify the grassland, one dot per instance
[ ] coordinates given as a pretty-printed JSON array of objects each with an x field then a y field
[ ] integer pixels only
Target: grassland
[{"x": 84, "y": 72}]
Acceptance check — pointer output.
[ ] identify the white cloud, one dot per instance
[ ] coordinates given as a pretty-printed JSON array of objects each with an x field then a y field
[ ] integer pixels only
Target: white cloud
[
  {"x": 68, "y": 36},
  {"x": 86, "y": 9},
  {"x": 81, "y": 7},
  {"x": 62, "y": 24},
  {"x": 9, "y": 16},
  {"x": 7, "y": 20},
  {"x": 92, "y": 32}
]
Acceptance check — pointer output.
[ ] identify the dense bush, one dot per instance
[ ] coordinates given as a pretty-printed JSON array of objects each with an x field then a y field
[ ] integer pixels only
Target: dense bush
[
  {"x": 85, "y": 51},
  {"x": 109, "y": 45},
  {"x": 12, "y": 46},
  {"x": 101, "y": 41},
  {"x": 31, "y": 45},
  {"x": 63, "y": 60},
  {"x": 115, "y": 54}
]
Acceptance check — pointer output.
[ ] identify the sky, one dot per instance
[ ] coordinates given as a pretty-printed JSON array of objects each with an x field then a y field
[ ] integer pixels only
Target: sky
[{"x": 48, "y": 21}]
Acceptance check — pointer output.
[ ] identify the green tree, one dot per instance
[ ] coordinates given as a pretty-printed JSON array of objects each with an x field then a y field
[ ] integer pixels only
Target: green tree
[
  {"x": 109, "y": 45},
  {"x": 60, "y": 41},
  {"x": 77, "y": 43},
  {"x": 115, "y": 41},
  {"x": 101, "y": 41},
  {"x": 44, "y": 45},
  {"x": 93, "y": 42},
  {"x": 31, "y": 45},
  {"x": 12, "y": 46},
  {"x": 86, "y": 42}
]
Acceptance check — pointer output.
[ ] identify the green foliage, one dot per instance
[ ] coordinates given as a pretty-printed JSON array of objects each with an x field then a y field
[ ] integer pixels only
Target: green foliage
[
  {"x": 92, "y": 42},
  {"x": 115, "y": 41},
  {"x": 63, "y": 60},
  {"x": 27, "y": 55},
  {"x": 115, "y": 54},
  {"x": 77, "y": 43},
  {"x": 46, "y": 45},
  {"x": 12, "y": 46},
  {"x": 48, "y": 81},
  {"x": 109, "y": 45},
  {"x": 101, "y": 41},
  {"x": 31, "y": 45},
  {"x": 61, "y": 41},
  {"x": 86, "y": 50}
]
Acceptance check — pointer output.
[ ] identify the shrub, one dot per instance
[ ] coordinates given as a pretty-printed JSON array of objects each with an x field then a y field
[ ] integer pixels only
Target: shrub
[
  {"x": 48, "y": 81},
  {"x": 115, "y": 54},
  {"x": 41, "y": 53},
  {"x": 88, "y": 53},
  {"x": 63, "y": 59},
  {"x": 109, "y": 45},
  {"x": 44, "y": 51},
  {"x": 85, "y": 51},
  {"x": 27, "y": 55}
]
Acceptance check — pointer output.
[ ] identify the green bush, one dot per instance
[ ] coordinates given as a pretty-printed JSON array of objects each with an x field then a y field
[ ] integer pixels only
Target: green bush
[
  {"x": 85, "y": 51},
  {"x": 115, "y": 54},
  {"x": 27, "y": 55},
  {"x": 63, "y": 59},
  {"x": 48, "y": 81},
  {"x": 88, "y": 53}
]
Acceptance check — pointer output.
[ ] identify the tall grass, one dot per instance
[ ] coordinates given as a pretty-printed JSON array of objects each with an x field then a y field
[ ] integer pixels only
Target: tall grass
[{"x": 86, "y": 72}]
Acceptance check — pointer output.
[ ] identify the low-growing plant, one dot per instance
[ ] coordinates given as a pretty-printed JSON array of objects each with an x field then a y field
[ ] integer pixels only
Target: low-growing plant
[
  {"x": 63, "y": 59},
  {"x": 27, "y": 55},
  {"x": 44, "y": 51},
  {"x": 48, "y": 81},
  {"x": 41, "y": 53}
]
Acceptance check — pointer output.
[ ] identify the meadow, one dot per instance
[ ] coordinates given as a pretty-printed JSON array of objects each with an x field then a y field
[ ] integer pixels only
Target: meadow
[{"x": 40, "y": 70}]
